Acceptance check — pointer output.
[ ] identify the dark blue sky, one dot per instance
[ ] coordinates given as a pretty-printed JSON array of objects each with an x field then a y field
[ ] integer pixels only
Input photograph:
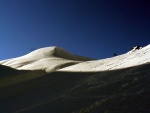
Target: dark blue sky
[{"x": 93, "y": 28}]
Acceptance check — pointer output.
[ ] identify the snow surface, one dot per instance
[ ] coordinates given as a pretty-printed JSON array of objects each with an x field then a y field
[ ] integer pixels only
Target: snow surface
[
  {"x": 130, "y": 59},
  {"x": 48, "y": 59},
  {"x": 55, "y": 58}
]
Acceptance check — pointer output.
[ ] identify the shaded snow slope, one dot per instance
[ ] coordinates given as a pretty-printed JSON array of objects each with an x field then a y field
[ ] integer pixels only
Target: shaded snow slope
[
  {"x": 48, "y": 59},
  {"x": 117, "y": 91},
  {"x": 130, "y": 59}
]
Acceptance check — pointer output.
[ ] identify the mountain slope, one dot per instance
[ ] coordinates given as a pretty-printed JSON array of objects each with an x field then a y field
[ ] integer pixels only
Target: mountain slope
[
  {"x": 115, "y": 85},
  {"x": 130, "y": 59},
  {"x": 54, "y": 58},
  {"x": 118, "y": 91},
  {"x": 5, "y": 71},
  {"x": 48, "y": 59}
]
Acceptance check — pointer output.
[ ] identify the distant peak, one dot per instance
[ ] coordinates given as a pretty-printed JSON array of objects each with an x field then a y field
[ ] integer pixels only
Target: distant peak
[{"x": 55, "y": 51}]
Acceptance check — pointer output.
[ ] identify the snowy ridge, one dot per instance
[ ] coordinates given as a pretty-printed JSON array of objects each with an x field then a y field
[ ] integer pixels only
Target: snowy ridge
[
  {"x": 48, "y": 59},
  {"x": 130, "y": 59},
  {"x": 57, "y": 59}
]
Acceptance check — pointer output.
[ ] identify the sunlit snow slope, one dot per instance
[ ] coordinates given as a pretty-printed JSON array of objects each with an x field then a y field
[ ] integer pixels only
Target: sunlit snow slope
[
  {"x": 56, "y": 59},
  {"x": 134, "y": 57},
  {"x": 48, "y": 59}
]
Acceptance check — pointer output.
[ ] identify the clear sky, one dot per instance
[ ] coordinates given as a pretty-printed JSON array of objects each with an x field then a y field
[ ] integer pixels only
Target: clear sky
[{"x": 93, "y": 28}]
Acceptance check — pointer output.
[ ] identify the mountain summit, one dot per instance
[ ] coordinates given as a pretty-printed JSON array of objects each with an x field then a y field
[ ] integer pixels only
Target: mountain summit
[{"x": 48, "y": 59}]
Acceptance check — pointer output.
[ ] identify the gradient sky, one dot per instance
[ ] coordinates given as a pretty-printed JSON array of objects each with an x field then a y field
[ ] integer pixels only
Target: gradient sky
[{"x": 93, "y": 28}]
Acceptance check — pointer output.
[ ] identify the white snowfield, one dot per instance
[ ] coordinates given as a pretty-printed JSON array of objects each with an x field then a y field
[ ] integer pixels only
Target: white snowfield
[
  {"x": 134, "y": 57},
  {"x": 48, "y": 59},
  {"x": 56, "y": 59}
]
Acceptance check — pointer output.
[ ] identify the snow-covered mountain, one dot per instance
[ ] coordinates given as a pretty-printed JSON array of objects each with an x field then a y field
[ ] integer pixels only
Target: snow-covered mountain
[
  {"x": 48, "y": 59},
  {"x": 55, "y": 58},
  {"x": 79, "y": 83},
  {"x": 135, "y": 57}
]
